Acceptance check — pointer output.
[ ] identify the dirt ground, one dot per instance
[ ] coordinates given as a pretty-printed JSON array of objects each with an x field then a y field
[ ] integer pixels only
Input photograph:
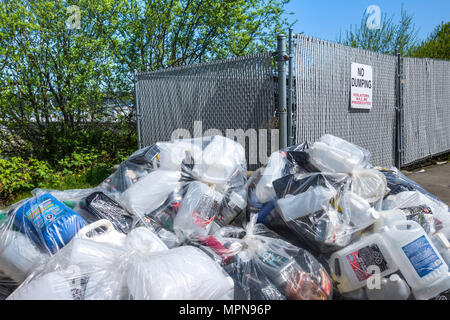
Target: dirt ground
[{"x": 435, "y": 179}]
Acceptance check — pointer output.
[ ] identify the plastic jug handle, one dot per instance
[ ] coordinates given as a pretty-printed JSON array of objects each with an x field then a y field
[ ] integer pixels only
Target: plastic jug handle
[
  {"x": 83, "y": 233},
  {"x": 413, "y": 226}
]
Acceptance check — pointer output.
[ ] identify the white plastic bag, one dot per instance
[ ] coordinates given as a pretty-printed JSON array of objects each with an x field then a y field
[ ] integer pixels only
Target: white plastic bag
[
  {"x": 220, "y": 159},
  {"x": 184, "y": 273},
  {"x": 143, "y": 240},
  {"x": 151, "y": 191}
]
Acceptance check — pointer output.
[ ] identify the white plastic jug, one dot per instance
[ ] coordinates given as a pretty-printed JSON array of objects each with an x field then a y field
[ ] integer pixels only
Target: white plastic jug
[
  {"x": 312, "y": 200},
  {"x": 18, "y": 255},
  {"x": 173, "y": 153},
  {"x": 388, "y": 217},
  {"x": 434, "y": 290},
  {"x": 333, "y": 154},
  {"x": 106, "y": 234},
  {"x": 392, "y": 288},
  {"x": 358, "y": 210},
  {"x": 416, "y": 256},
  {"x": 353, "y": 265},
  {"x": 85, "y": 252}
]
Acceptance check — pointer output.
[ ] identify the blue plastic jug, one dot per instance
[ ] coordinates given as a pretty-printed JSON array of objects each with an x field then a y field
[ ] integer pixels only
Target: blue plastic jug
[{"x": 48, "y": 222}]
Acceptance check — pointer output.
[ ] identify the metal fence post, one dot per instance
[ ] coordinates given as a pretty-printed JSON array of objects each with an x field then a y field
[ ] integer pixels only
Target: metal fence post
[
  {"x": 138, "y": 113},
  {"x": 290, "y": 92},
  {"x": 399, "y": 115},
  {"x": 281, "y": 59}
]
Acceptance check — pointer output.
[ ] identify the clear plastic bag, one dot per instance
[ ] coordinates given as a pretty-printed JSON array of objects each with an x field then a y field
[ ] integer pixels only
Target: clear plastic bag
[
  {"x": 422, "y": 208},
  {"x": 133, "y": 169},
  {"x": 265, "y": 267},
  {"x": 319, "y": 211}
]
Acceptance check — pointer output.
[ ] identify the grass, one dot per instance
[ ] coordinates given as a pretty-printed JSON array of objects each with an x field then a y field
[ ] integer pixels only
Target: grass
[{"x": 90, "y": 178}]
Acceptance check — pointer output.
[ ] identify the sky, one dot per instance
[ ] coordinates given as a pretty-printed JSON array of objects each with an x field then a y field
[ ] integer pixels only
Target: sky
[{"x": 325, "y": 19}]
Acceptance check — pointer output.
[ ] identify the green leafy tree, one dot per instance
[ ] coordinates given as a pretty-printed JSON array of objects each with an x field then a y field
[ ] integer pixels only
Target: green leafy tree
[
  {"x": 56, "y": 81},
  {"x": 436, "y": 46},
  {"x": 387, "y": 39},
  {"x": 53, "y": 79}
]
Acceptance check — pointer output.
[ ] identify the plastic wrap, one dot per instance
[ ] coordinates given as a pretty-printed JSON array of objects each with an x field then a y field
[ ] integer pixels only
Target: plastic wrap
[{"x": 265, "y": 267}]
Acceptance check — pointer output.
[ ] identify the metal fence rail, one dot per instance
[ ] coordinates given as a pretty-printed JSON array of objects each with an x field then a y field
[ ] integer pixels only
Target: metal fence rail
[
  {"x": 426, "y": 102},
  {"x": 323, "y": 97},
  {"x": 235, "y": 94}
]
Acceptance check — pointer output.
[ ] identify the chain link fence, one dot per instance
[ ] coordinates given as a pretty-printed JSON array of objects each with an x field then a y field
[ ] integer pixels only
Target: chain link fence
[
  {"x": 240, "y": 94},
  {"x": 235, "y": 94},
  {"x": 426, "y": 108},
  {"x": 323, "y": 97}
]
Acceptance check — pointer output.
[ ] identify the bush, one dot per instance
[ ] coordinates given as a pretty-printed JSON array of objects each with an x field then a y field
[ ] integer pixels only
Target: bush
[
  {"x": 84, "y": 168},
  {"x": 18, "y": 175}
]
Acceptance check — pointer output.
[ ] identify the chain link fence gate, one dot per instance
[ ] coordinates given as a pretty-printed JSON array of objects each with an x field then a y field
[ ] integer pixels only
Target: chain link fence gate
[{"x": 232, "y": 94}]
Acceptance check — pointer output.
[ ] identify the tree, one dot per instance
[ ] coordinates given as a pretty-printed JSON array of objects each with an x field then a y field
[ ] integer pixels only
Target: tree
[
  {"x": 54, "y": 80},
  {"x": 168, "y": 33},
  {"x": 436, "y": 46},
  {"x": 387, "y": 39}
]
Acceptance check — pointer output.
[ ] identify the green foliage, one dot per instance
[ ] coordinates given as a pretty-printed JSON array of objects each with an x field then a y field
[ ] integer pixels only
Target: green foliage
[
  {"x": 82, "y": 169},
  {"x": 437, "y": 46},
  {"x": 55, "y": 82},
  {"x": 17, "y": 174},
  {"x": 388, "y": 39}
]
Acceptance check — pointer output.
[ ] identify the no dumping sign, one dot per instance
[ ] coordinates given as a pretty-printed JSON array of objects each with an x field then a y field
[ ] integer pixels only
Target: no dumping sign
[{"x": 361, "y": 86}]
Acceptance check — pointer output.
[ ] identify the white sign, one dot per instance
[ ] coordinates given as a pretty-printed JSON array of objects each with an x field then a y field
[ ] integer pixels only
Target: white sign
[{"x": 362, "y": 83}]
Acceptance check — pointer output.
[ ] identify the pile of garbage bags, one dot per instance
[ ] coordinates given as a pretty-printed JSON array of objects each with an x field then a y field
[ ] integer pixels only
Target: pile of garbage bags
[{"x": 180, "y": 220}]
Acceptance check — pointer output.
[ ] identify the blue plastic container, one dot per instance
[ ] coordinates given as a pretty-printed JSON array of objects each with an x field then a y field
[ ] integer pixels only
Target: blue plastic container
[{"x": 48, "y": 222}]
